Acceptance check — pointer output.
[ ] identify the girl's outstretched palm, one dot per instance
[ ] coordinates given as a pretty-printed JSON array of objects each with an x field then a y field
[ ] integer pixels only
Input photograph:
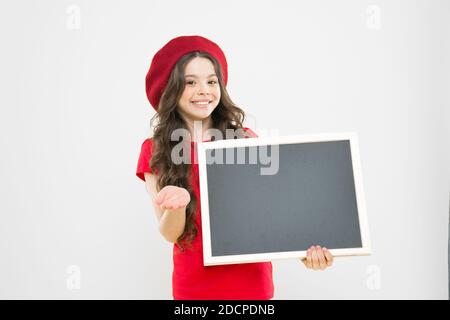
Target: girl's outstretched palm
[{"x": 172, "y": 197}]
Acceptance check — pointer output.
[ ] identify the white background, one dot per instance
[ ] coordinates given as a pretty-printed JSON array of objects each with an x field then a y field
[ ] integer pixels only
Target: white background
[{"x": 73, "y": 115}]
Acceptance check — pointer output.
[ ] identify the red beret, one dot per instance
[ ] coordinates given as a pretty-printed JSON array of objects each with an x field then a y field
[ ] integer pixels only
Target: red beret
[{"x": 165, "y": 59}]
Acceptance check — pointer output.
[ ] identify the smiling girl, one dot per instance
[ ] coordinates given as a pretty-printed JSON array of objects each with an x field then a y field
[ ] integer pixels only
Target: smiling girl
[{"x": 186, "y": 85}]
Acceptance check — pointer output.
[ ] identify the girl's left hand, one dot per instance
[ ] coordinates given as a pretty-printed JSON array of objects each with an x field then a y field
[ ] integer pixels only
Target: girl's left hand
[{"x": 318, "y": 258}]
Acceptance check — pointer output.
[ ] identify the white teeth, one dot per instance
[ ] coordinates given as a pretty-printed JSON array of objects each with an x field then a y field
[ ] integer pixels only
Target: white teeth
[{"x": 201, "y": 103}]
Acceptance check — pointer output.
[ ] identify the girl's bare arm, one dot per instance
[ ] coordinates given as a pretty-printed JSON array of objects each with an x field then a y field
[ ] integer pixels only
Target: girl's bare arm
[{"x": 171, "y": 221}]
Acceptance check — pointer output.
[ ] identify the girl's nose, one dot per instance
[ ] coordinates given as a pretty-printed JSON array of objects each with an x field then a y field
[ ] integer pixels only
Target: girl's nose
[{"x": 203, "y": 89}]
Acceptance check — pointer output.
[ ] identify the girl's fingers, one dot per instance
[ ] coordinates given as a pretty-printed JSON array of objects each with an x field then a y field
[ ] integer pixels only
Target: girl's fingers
[
  {"x": 303, "y": 260},
  {"x": 321, "y": 258},
  {"x": 328, "y": 256},
  {"x": 178, "y": 200},
  {"x": 168, "y": 202},
  {"x": 171, "y": 204},
  {"x": 318, "y": 258},
  {"x": 315, "y": 259},
  {"x": 308, "y": 259},
  {"x": 175, "y": 202},
  {"x": 172, "y": 197},
  {"x": 171, "y": 201}
]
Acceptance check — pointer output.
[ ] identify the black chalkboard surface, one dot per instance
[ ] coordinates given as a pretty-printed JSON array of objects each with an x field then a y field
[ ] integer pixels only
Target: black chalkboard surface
[{"x": 272, "y": 198}]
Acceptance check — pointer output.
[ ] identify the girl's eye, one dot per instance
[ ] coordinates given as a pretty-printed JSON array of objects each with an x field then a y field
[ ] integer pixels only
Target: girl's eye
[{"x": 192, "y": 82}]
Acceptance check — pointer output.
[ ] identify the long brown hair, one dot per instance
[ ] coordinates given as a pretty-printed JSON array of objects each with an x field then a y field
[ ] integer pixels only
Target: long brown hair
[{"x": 225, "y": 116}]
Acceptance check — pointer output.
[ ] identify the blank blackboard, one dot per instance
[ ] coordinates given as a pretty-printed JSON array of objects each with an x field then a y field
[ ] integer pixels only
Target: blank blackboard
[{"x": 272, "y": 198}]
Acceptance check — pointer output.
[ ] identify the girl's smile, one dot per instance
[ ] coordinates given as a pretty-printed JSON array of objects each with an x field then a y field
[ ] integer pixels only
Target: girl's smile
[{"x": 202, "y": 103}]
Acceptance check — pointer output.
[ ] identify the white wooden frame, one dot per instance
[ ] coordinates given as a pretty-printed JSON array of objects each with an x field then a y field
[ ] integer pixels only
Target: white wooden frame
[{"x": 266, "y": 141}]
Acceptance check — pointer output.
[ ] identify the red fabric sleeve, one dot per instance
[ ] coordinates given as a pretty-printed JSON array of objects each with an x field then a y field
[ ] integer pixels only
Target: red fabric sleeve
[
  {"x": 253, "y": 134},
  {"x": 147, "y": 151},
  {"x": 144, "y": 159}
]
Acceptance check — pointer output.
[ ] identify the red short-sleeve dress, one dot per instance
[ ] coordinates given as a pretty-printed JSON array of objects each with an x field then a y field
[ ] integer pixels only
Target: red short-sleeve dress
[{"x": 192, "y": 280}]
